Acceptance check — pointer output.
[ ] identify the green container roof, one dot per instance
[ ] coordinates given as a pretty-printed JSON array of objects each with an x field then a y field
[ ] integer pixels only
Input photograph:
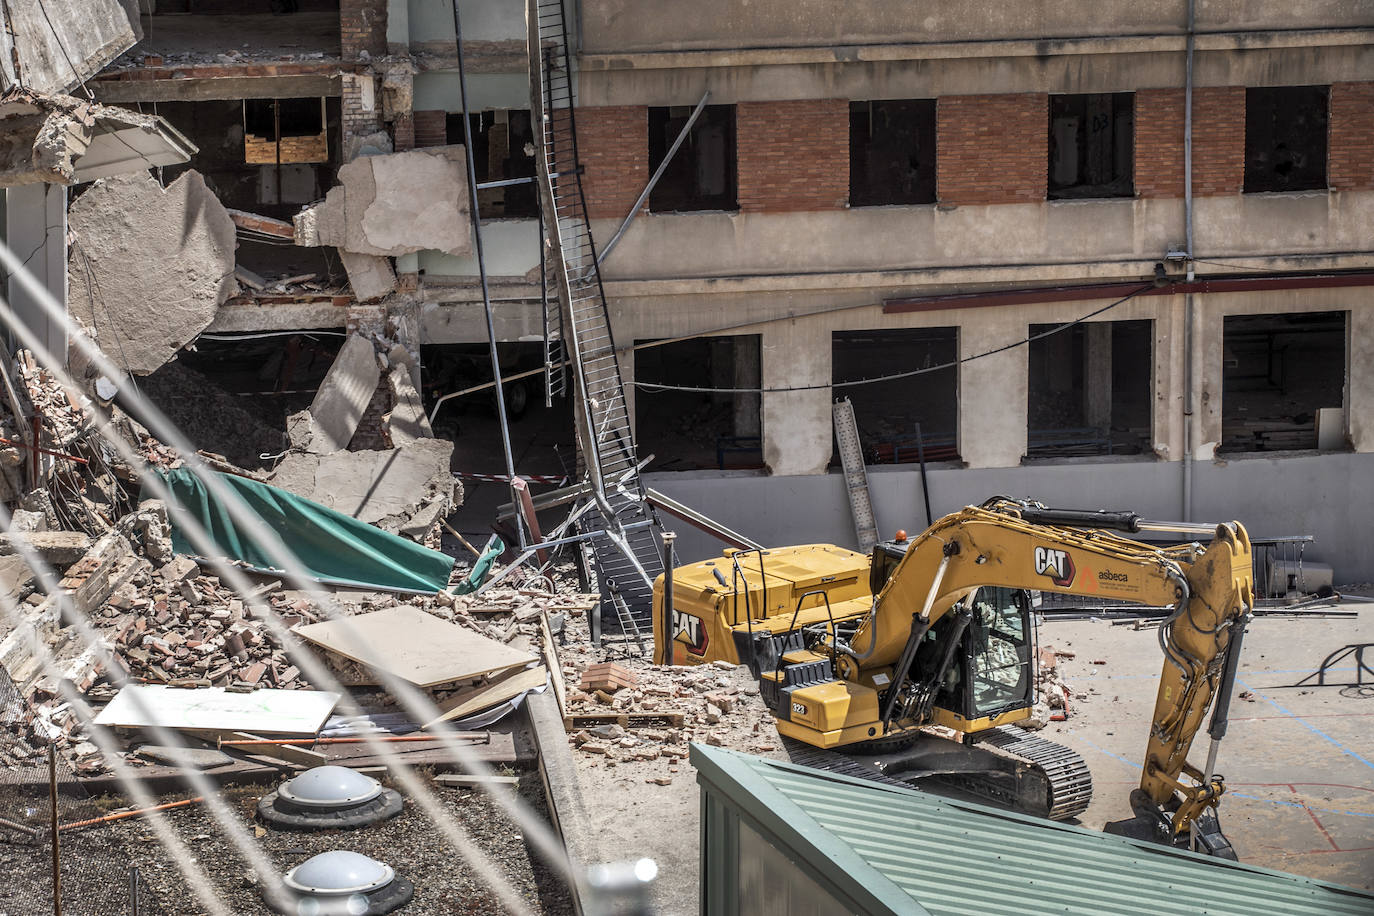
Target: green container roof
[{"x": 899, "y": 850}]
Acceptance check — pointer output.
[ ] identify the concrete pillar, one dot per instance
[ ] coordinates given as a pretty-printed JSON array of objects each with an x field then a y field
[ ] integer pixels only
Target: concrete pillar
[
  {"x": 993, "y": 391},
  {"x": 1097, "y": 374},
  {"x": 35, "y": 225},
  {"x": 1209, "y": 357},
  {"x": 1359, "y": 373},
  {"x": 746, "y": 376},
  {"x": 796, "y": 424},
  {"x": 1167, "y": 384}
]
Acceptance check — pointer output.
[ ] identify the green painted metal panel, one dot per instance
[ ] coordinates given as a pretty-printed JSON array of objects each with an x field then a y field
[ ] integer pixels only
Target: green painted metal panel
[{"x": 950, "y": 858}]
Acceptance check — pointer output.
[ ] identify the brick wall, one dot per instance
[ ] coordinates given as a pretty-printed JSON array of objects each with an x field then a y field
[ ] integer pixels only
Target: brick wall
[
  {"x": 258, "y": 151},
  {"x": 793, "y": 155},
  {"x": 1218, "y": 140},
  {"x": 1351, "y": 155},
  {"x": 613, "y": 143},
  {"x": 358, "y": 118},
  {"x": 362, "y": 27},
  {"x": 1159, "y": 143},
  {"x": 992, "y": 149},
  {"x": 431, "y": 128},
  {"x": 403, "y": 132}
]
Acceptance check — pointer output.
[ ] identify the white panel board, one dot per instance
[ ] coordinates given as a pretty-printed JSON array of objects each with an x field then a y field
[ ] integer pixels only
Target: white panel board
[{"x": 262, "y": 712}]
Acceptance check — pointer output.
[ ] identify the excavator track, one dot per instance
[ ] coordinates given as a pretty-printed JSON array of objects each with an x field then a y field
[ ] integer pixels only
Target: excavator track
[
  {"x": 1070, "y": 780},
  {"x": 1065, "y": 775}
]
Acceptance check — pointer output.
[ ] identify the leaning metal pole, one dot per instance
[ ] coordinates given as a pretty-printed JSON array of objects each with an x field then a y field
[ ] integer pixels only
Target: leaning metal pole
[{"x": 482, "y": 267}]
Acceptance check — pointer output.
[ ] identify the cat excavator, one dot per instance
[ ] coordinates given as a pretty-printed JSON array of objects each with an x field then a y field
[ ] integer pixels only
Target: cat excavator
[{"x": 941, "y": 634}]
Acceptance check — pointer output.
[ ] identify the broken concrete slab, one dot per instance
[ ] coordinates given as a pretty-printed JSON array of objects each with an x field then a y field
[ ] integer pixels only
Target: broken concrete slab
[
  {"x": 321, "y": 224},
  {"x": 343, "y": 396},
  {"x": 373, "y": 486},
  {"x": 136, "y": 244},
  {"x": 370, "y": 275},
  {"x": 58, "y": 549},
  {"x": 407, "y": 202},
  {"x": 53, "y": 47},
  {"x": 407, "y": 420},
  {"x": 59, "y": 139}
]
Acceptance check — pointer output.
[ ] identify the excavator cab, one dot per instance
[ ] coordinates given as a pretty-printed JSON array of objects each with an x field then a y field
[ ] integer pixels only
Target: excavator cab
[{"x": 992, "y": 672}]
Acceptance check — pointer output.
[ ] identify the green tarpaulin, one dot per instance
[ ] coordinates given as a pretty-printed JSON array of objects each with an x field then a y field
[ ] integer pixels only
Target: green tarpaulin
[{"x": 330, "y": 545}]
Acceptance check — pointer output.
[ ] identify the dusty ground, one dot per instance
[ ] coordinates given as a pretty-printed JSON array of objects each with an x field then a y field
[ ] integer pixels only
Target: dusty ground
[{"x": 1298, "y": 762}]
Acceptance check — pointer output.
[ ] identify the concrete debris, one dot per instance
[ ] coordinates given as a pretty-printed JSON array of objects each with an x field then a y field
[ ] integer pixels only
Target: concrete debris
[
  {"x": 381, "y": 487},
  {"x": 343, "y": 396},
  {"x": 371, "y": 276},
  {"x": 53, "y": 47},
  {"x": 395, "y": 204},
  {"x": 125, "y": 229},
  {"x": 407, "y": 421}
]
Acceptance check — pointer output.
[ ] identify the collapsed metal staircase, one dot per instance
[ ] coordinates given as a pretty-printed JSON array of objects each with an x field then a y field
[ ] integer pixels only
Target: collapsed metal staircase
[{"x": 626, "y": 543}]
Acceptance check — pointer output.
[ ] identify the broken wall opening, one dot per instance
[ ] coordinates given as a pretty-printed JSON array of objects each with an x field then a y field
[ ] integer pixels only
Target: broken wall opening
[
  {"x": 1283, "y": 381},
  {"x": 500, "y": 140},
  {"x": 887, "y": 412},
  {"x": 702, "y": 174},
  {"x": 687, "y": 430},
  {"x": 891, "y": 152},
  {"x": 1092, "y": 145},
  {"x": 1090, "y": 389},
  {"x": 232, "y": 396},
  {"x": 230, "y": 31},
  {"x": 542, "y": 438},
  {"x": 285, "y": 131},
  {"x": 1286, "y": 138}
]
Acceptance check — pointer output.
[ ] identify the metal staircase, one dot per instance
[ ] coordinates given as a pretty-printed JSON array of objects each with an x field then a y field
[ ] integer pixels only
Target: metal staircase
[
  {"x": 855, "y": 476},
  {"x": 626, "y": 544}
]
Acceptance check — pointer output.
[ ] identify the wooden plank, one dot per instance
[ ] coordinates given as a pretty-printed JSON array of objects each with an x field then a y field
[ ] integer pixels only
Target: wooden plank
[
  {"x": 463, "y": 781},
  {"x": 290, "y": 753},
  {"x": 414, "y": 646},
  {"x": 488, "y": 695},
  {"x": 582, "y": 720},
  {"x": 272, "y": 713},
  {"x": 560, "y": 690}
]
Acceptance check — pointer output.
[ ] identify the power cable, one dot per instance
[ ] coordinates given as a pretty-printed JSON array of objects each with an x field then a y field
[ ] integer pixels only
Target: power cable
[{"x": 654, "y": 387}]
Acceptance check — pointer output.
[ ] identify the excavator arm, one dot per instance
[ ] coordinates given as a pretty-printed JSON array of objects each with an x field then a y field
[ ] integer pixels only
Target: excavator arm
[{"x": 1023, "y": 545}]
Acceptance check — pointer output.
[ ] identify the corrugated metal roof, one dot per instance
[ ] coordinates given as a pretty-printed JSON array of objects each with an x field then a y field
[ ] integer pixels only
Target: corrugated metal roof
[{"x": 956, "y": 858}]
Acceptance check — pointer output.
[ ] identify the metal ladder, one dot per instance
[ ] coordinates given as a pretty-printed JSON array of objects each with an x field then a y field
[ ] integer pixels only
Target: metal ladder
[
  {"x": 555, "y": 352},
  {"x": 855, "y": 476},
  {"x": 626, "y": 550}
]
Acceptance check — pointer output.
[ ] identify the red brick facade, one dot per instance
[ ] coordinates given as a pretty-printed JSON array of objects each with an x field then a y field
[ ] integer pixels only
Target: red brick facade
[
  {"x": 793, "y": 155},
  {"x": 1159, "y": 143},
  {"x": 431, "y": 128},
  {"x": 613, "y": 143},
  {"x": 362, "y": 27},
  {"x": 1218, "y": 141},
  {"x": 992, "y": 149},
  {"x": 1351, "y": 154}
]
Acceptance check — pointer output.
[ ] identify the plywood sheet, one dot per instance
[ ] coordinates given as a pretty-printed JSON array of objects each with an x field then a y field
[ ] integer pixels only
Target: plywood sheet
[
  {"x": 212, "y": 709},
  {"x": 415, "y": 646},
  {"x": 469, "y": 702}
]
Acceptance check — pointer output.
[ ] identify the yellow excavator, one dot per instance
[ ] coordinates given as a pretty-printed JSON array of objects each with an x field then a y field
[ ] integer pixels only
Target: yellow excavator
[{"x": 938, "y": 631}]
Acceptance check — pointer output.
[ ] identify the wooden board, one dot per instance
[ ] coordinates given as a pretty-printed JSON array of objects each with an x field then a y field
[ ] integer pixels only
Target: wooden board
[
  {"x": 582, "y": 720},
  {"x": 210, "y": 710},
  {"x": 414, "y": 646},
  {"x": 488, "y": 695}
]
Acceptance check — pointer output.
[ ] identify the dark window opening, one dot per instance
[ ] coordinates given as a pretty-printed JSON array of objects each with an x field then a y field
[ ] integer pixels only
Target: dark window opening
[
  {"x": 1090, "y": 389},
  {"x": 897, "y": 419},
  {"x": 502, "y": 143},
  {"x": 701, "y": 175},
  {"x": 891, "y": 152},
  {"x": 1092, "y": 145},
  {"x": 1283, "y": 382},
  {"x": 1285, "y": 138},
  {"x": 294, "y": 117},
  {"x": 687, "y": 430}
]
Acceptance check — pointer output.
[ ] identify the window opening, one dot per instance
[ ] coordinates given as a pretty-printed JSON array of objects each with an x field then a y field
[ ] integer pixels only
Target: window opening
[
  {"x": 887, "y": 412},
  {"x": 687, "y": 430},
  {"x": 891, "y": 152},
  {"x": 1285, "y": 138},
  {"x": 502, "y": 147},
  {"x": 1283, "y": 381},
  {"x": 702, "y": 174},
  {"x": 1092, "y": 145}
]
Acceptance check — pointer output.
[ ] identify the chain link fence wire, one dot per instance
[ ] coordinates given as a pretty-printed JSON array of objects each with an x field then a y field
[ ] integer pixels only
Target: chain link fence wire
[{"x": 95, "y": 861}]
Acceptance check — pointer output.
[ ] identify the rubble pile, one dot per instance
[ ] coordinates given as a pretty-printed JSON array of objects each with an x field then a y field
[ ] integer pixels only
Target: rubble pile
[{"x": 1053, "y": 692}]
